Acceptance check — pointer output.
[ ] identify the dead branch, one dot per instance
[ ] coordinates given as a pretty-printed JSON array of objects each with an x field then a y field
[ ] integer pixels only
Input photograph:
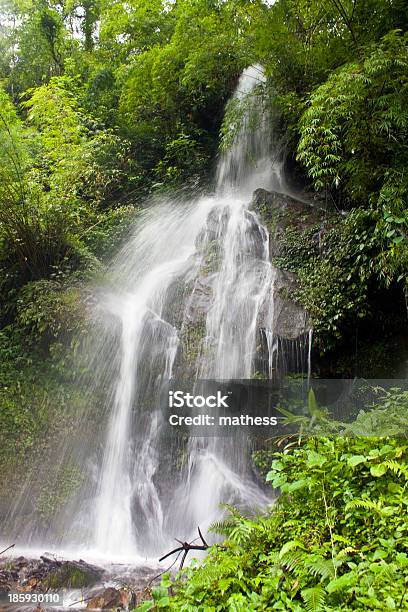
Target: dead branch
[
  {"x": 185, "y": 548},
  {"x": 6, "y": 549}
]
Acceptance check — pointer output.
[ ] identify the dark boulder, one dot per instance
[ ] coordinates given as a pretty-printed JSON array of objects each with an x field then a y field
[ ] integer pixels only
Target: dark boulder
[
  {"x": 290, "y": 320},
  {"x": 112, "y": 599}
]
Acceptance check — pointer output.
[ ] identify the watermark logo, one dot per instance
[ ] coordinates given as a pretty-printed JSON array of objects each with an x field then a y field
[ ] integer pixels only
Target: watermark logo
[{"x": 179, "y": 399}]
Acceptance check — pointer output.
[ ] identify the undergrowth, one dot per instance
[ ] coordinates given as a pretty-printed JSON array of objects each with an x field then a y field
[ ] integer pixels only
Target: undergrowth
[{"x": 336, "y": 539}]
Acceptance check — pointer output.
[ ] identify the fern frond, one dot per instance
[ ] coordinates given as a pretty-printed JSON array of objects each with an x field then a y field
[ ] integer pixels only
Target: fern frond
[
  {"x": 320, "y": 567},
  {"x": 222, "y": 527},
  {"x": 397, "y": 468},
  {"x": 366, "y": 504},
  {"x": 240, "y": 532},
  {"x": 314, "y": 598},
  {"x": 213, "y": 572},
  {"x": 233, "y": 510},
  {"x": 345, "y": 551},
  {"x": 293, "y": 561}
]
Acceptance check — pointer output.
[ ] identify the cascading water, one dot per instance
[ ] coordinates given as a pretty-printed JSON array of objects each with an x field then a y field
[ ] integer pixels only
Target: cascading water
[
  {"x": 252, "y": 160},
  {"x": 187, "y": 295},
  {"x": 241, "y": 285}
]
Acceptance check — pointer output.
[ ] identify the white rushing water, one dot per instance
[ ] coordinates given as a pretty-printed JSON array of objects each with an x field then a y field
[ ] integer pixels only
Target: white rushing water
[
  {"x": 185, "y": 298},
  {"x": 165, "y": 250}
]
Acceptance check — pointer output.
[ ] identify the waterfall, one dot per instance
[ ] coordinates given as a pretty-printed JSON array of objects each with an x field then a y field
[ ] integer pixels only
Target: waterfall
[
  {"x": 164, "y": 251},
  {"x": 252, "y": 160},
  {"x": 185, "y": 297}
]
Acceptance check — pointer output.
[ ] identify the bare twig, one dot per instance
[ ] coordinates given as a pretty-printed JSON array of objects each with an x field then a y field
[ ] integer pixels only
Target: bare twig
[
  {"x": 164, "y": 571},
  {"x": 201, "y": 536},
  {"x": 6, "y": 549},
  {"x": 186, "y": 547}
]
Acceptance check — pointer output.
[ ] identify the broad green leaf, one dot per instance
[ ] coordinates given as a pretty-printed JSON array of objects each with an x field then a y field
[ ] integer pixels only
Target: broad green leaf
[{"x": 378, "y": 470}]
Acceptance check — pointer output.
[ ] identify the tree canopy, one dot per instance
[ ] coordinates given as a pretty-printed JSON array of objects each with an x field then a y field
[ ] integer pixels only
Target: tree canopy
[{"x": 105, "y": 103}]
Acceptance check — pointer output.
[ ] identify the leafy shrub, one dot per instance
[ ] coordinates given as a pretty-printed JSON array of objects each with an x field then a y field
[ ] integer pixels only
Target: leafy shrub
[
  {"x": 356, "y": 124},
  {"x": 353, "y": 138},
  {"x": 334, "y": 540},
  {"x": 341, "y": 268},
  {"x": 184, "y": 160},
  {"x": 48, "y": 311},
  {"x": 106, "y": 236}
]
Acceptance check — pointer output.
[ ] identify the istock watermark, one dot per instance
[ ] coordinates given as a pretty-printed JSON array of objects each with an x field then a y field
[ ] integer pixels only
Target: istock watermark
[
  {"x": 292, "y": 406},
  {"x": 179, "y": 399}
]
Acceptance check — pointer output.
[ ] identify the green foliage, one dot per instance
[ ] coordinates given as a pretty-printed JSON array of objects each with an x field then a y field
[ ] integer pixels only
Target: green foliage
[
  {"x": 334, "y": 540},
  {"x": 27, "y": 234},
  {"x": 46, "y": 311},
  {"x": 52, "y": 179},
  {"x": 183, "y": 160},
  {"x": 37, "y": 29},
  {"x": 105, "y": 237},
  {"x": 356, "y": 124},
  {"x": 353, "y": 136},
  {"x": 29, "y": 395},
  {"x": 178, "y": 81},
  {"x": 41, "y": 400},
  {"x": 298, "y": 248},
  {"x": 342, "y": 264},
  {"x": 104, "y": 102},
  {"x": 80, "y": 163},
  {"x": 53, "y": 495},
  {"x": 386, "y": 415},
  {"x": 58, "y": 172}
]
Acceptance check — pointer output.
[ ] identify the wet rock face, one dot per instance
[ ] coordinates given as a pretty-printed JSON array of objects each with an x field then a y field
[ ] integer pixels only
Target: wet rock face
[
  {"x": 274, "y": 201},
  {"x": 200, "y": 299},
  {"x": 112, "y": 599},
  {"x": 44, "y": 574},
  {"x": 277, "y": 210},
  {"x": 290, "y": 320}
]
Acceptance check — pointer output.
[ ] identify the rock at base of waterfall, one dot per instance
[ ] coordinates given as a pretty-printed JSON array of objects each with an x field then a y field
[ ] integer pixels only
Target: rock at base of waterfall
[
  {"x": 113, "y": 599},
  {"x": 46, "y": 574},
  {"x": 71, "y": 574}
]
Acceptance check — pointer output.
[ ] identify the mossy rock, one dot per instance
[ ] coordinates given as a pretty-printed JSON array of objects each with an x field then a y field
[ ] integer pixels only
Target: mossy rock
[
  {"x": 192, "y": 337},
  {"x": 73, "y": 575}
]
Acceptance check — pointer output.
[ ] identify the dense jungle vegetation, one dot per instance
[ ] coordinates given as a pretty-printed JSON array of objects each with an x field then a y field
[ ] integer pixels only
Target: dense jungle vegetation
[
  {"x": 107, "y": 105},
  {"x": 335, "y": 540}
]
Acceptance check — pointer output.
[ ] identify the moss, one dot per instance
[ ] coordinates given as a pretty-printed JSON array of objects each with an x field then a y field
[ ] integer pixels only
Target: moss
[
  {"x": 192, "y": 337},
  {"x": 70, "y": 576},
  {"x": 39, "y": 409},
  {"x": 297, "y": 247},
  {"x": 57, "y": 489},
  {"x": 212, "y": 258}
]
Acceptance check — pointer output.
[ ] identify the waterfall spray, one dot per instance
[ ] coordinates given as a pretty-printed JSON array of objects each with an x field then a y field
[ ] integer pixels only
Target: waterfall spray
[
  {"x": 240, "y": 287},
  {"x": 186, "y": 296}
]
